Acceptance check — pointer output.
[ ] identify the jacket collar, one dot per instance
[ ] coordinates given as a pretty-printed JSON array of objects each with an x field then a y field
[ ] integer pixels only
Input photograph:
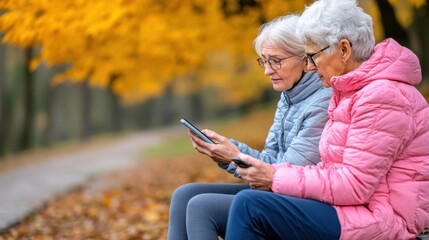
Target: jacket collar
[{"x": 305, "y": 87}]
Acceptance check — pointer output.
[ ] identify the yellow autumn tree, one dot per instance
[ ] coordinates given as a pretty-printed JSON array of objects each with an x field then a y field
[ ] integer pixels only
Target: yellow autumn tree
[
  {"x": 147, "y": 45},
  {"x": 142, "y": 44}
]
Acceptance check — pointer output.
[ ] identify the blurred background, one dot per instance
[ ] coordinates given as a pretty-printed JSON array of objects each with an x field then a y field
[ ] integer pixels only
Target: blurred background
[{"x": 72, "y": 70}]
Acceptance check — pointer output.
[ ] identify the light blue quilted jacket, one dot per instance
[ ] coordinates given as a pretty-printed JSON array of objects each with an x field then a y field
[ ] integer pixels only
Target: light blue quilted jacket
[{"x": 298, "y": 123}]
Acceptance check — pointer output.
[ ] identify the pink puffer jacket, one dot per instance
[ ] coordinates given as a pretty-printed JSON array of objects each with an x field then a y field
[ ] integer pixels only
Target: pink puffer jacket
[{"x": 375, "y": 150}]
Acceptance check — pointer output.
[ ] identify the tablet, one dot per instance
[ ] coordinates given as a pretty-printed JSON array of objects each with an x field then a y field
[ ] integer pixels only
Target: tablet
[{"x": 196, "y": 130}]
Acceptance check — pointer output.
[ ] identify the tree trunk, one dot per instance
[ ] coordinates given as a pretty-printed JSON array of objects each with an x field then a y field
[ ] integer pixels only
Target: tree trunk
[
  {"x": 28, "y": 87},
  {"x": 417, "y": 37},
  {"x": 117, "y": 113},
  {"x": 3, "y": 113},
  {"x": 86, "y": 128},
  {"x": 145, "y": 114},
  {"x": 48, "y": 136},
  {"x": 421, "y": 20},
  {"x": 196, "y": 113},
  {"x": 168, "y": 109},
  {"x": 391, "y": 26}
]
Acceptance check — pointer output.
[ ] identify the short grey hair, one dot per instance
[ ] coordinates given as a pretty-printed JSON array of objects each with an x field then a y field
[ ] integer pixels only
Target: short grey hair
[
  {"x": 281, "y": 32},
  {"x": 326, "y": 22}
]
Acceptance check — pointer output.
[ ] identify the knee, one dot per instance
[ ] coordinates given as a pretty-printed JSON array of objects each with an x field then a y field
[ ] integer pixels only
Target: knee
[
  {"x": 247, "y": 200},
  {"x": 183, "y": 192},
  {"x": 208, "y": 205},
  {"x": 197, "y": 210},
  {"x": 198, "y": 203},
  {"x": 246, "y": 196}
]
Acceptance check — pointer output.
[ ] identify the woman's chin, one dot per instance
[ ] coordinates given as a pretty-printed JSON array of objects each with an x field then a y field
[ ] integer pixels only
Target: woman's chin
[{"x": 279, "y": 87}]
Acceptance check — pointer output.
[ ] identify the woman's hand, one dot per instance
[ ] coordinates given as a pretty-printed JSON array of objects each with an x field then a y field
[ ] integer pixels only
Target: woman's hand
[
  {"x": 221, "y": 152},
  {"x": 259, "y": 175}
]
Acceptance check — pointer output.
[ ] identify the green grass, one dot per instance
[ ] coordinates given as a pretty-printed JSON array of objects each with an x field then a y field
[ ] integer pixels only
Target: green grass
[{"x": 171, "y": 147}]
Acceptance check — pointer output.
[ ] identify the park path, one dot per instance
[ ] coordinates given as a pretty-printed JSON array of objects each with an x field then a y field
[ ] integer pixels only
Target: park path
[{"x": 25, "y": 189}]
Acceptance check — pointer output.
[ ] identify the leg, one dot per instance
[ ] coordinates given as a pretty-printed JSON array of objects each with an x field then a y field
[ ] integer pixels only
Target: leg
[
  {"x": 181, "y": 197},
  {"x": 265, "y": 215},
  {"x": 207, "y": 215}
]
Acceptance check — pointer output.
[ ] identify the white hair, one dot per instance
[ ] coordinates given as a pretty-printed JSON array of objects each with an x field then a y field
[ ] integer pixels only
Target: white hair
[
  {"x": 326, "y": 22},
  {"x": 281, "y": 32}
]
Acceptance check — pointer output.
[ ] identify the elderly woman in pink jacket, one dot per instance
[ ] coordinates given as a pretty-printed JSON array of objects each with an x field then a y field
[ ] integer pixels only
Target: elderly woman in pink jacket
[{"x": 373, "y": 178}]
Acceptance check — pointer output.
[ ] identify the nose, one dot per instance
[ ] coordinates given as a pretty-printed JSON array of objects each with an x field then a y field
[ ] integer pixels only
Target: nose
[
  {"x": 311, "y": 66},
  {"x": 268, "y": 70}
]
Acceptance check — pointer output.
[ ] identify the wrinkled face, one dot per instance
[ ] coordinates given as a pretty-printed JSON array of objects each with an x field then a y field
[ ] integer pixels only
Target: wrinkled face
[
  {"x": 324, "y": 64},
  {"x": 281, "y": 67}
]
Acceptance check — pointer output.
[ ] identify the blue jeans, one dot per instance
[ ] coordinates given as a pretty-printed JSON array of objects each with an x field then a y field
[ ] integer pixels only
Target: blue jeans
[
  {"x": 200, "y": 210},
  {"x": 258, "y": 214}
]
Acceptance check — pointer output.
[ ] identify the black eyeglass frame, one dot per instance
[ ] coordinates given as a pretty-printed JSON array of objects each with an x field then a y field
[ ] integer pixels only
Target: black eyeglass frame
[
  {"x": 262, "y": 62},
  {"x": 310, "y": 56}
]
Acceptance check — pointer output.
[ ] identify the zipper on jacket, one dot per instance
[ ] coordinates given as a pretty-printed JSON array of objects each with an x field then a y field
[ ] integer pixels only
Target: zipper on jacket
[{"x": 282, "y": 140}]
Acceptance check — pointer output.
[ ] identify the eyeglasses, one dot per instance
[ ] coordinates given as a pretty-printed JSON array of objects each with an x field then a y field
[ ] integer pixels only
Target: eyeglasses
[
  {"x": 310, "y": 56},
  {"x": 275, "y": 63}
]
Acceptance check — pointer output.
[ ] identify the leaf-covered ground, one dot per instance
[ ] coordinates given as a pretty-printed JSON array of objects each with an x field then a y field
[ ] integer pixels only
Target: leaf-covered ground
[
  {"x": 128, "y": 205},
  {"x": 134, "y": 204}
]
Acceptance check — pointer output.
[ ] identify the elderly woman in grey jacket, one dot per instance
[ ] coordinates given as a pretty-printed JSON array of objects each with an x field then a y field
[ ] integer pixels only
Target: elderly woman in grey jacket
[{"x": 200, "y": 210}]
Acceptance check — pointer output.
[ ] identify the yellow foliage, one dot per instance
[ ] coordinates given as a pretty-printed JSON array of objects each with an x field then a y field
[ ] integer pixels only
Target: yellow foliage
[
  {"x": 418, "y": 3},
  {"x": 412, "y": 3},
  {"x": 147, "y": 45},
  {"x": 142, "y": 44},
  {"x": 275, "y": 8}
]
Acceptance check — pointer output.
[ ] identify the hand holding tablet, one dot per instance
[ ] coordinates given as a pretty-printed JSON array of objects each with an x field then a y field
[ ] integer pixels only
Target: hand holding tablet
[{"x": 196, "y": 131}]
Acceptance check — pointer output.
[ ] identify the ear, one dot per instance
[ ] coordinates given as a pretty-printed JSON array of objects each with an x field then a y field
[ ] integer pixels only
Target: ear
[
  {"x": 345, "y": 48},
  {"x": 305, "y": 65}
]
